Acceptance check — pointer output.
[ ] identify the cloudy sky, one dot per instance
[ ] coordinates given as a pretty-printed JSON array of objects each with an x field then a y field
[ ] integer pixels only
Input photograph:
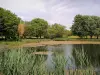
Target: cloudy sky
[{"x": 54, "y": 11}]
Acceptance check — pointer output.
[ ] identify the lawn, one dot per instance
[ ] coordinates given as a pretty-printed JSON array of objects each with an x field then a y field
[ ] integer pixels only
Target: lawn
[{"x": 24, "y": 41}]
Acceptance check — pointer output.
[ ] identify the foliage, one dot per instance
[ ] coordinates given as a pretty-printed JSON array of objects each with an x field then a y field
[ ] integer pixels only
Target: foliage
[
  {"x": 40, "y": 27},
  {"x": 67, "y": 33},
  {"x": 97, "y": 32},
  {"x": 21, "y": 62},
  {"x": 56, "y": 30},
  {"x": 29, "y": 31},
  {"x": 21, "y": 30},
  {"x": 27, "y": 23},
  {"x": 79, "y": 26},
  {"x": 85, "y": 25},
  {"x": 8, "y": 24}
]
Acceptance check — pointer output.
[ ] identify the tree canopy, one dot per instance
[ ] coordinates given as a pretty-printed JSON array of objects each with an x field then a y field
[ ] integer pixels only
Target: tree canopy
[
  {"x": 56, "y": 30},
  {"x": 8, "y": 24},
  {"x": 85, "y": 25},
  {"x": 40, "y": 27},
  {"x": 11, "y": 25}
]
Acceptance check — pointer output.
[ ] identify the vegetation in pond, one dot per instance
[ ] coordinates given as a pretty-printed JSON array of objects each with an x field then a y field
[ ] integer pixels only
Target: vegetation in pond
[{"x": 24, "y": 62}]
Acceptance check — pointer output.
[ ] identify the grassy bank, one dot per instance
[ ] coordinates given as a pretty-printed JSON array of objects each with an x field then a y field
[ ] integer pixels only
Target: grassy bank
[
  {"x": 24, "y": 41},
  {"x": 75, "y": 39}
]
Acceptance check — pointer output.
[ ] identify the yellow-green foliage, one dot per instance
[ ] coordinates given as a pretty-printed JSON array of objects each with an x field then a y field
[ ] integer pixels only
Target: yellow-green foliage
[{"x": 21, "y": 29}]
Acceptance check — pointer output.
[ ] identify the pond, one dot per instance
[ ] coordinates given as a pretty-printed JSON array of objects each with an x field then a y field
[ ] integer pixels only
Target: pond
[
  {"x": 72, "y": 52},
  {"x": 90, "y": 52},
  {"x": 70, "y": 56}
]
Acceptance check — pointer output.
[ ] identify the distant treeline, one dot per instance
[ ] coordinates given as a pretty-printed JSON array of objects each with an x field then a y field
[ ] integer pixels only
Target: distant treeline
[
  {"x": 85, "y": 25},
  {"x": 39, "y": 28},
  {"x": 13, "y": 28}
]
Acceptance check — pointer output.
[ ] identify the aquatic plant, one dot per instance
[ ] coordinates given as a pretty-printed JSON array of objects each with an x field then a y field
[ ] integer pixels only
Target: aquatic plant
[{"x": 24, "y": 62}]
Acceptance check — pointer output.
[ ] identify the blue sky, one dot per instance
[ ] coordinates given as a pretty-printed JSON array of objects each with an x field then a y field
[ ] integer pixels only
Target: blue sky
[{"x": 54, "y": 11}]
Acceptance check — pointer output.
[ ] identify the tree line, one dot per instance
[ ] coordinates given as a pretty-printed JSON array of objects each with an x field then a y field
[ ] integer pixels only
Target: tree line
[
  {"x": 11, "y": 27},
  {"x": 85, "y": 25},
  {"x": 41, "y": 29}
]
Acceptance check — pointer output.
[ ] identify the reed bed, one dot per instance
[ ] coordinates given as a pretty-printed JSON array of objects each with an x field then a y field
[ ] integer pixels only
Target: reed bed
[{"x": 23, "y": 62}]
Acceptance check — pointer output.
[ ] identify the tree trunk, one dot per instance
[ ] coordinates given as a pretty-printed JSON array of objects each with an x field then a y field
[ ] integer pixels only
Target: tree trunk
[
  {"x": 91, "y": 36},
  {"x": 97, "y": 36},
  {"x": 37, "y": 36},
  {"x": 40, "y": 36}
]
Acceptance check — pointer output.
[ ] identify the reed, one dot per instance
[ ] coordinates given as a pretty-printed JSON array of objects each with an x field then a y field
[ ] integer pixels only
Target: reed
[{"x": 24, "y": 62}]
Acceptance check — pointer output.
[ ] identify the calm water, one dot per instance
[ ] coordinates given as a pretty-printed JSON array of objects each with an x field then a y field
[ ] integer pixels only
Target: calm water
[{"x": 90, "y": 51}]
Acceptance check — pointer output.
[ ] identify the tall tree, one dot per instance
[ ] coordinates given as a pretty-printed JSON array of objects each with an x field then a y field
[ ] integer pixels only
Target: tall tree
[
  {"x": 79, "y": 26},
  {"x": 56, "y": 30},
  {"x": 91, "y": 26},
  {"x": 40, "y": 27},
  {"x": 29, "y": 31},
  {"x": 97, "y": 32},
  {"x": 97, "y": 23},
  {"x": 86, "y": 25},
  {"x": 8, "y": 24}
]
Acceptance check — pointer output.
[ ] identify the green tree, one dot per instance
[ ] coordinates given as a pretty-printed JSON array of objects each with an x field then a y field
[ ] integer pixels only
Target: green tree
[
  {"x": 8, "y": 24},
  {"x": 79, "y": 26},
  {"x": 40, "y": 27},
  {"x": 97, "y": 29},
  {"x": 56, "y": 30},
  {"x": 97, "y": 32},
  {"x": 86, "y": 25},
  {"x": 67, "y": 33},
  {"x": 29, "y": 31},
  {"x": 91, "y": 26}
]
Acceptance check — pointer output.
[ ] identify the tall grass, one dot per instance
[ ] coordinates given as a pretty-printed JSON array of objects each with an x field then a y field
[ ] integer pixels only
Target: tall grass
[
  {"x": 23, "y": 62},
  {"x": 84, "y": 66}
]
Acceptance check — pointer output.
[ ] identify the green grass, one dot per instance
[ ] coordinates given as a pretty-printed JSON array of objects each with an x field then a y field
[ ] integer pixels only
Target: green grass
[
  {"x": 75, "y": 39},
  {"x": 23, "y": 62},
  {"x": 24, "y": 41}
]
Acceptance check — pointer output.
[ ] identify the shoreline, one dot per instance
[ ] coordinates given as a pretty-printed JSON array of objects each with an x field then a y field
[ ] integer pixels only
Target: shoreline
[{"x": 44, "y": 43}]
